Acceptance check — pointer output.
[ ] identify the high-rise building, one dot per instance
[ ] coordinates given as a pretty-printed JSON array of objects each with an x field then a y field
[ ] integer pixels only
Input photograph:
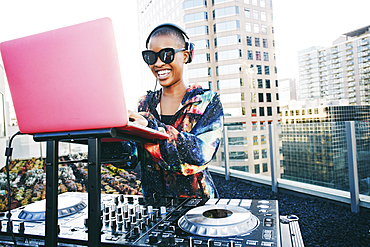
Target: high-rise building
[
  {"x": 234, "y": 56},
  {"x": 341, "y": 71},
  {"x": 314, "y": 143},
  {"x": 287, "y": 91}
]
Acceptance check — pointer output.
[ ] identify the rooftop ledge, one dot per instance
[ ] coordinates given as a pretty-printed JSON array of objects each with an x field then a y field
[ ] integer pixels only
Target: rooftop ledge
[{"x": 304, "y": 188}]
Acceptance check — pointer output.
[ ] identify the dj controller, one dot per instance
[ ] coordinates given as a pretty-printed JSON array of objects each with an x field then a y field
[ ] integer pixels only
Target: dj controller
[{"x": 132, "y": 221}]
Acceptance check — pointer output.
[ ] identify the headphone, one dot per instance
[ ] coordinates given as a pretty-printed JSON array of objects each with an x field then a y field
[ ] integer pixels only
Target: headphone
[{"x": 188, "y": 45}]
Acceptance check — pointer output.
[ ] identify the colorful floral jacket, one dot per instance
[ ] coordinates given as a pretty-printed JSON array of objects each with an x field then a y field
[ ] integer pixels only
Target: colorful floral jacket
[{"x": 177, "y": 167}]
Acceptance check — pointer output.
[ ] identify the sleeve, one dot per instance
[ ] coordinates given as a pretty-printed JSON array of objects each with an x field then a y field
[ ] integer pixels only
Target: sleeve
[
  {"x": 189, "y": 152},
  {"x": 120, "y": 154}
]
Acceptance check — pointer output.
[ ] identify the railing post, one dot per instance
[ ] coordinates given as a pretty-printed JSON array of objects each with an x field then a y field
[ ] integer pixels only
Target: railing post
[
  {"x": 352, "y": 166},
  {"x": 226, "y": 153},
  {"x": 273, "y": 157}
]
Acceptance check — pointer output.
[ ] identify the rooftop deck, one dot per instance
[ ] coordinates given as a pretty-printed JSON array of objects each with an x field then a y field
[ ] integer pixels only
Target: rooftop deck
[{"x": 322, "y": 222}]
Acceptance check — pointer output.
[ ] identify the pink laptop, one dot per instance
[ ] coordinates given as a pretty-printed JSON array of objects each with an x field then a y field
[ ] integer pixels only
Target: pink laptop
[{"x": 68, "y": 79}]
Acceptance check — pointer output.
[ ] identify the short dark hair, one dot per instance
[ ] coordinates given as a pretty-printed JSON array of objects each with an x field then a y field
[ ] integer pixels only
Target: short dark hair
[{"x": 166, "y": 30}]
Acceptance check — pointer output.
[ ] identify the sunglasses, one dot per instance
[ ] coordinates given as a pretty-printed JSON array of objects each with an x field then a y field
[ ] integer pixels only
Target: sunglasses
[{"x": 166, "y": 55}]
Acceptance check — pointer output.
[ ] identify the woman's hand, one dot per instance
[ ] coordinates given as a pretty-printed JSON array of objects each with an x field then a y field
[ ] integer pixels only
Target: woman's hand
[{"x": 137, "y": 118}]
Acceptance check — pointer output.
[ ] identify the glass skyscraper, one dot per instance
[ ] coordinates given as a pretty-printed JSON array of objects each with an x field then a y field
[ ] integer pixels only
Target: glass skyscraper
[{"x": 315, "y": 145}]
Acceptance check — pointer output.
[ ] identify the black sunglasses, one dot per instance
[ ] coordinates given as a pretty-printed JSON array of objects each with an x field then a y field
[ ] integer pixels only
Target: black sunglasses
[{"x": 166, "y": 55}]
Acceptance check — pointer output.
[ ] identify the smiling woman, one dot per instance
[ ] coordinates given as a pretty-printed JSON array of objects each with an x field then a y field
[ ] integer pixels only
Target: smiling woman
[{"x": 191, "y": 116}]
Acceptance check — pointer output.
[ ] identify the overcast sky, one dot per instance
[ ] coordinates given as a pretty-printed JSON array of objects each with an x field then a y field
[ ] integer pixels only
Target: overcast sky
[{"x": 298, "y": 25}]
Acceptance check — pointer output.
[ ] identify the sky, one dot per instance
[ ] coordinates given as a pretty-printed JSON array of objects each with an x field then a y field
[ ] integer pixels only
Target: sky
[{"x": 298, "y": 25}]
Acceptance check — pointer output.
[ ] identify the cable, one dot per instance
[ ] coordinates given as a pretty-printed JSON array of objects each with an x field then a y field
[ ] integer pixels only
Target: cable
[
  {"x": 156, "y": 81},
  {"x": 8, "y": 154}
]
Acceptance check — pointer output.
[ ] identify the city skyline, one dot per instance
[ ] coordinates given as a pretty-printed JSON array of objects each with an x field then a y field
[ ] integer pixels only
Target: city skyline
[{"x": 294, "y": 28}]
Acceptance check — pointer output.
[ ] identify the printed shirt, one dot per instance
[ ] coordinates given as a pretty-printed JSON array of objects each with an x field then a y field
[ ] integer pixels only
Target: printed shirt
[{"x": 177, "y": 167}]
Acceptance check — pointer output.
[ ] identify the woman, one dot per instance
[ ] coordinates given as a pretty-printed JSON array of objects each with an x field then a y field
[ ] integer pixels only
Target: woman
[{"x": 191, "y": 116}]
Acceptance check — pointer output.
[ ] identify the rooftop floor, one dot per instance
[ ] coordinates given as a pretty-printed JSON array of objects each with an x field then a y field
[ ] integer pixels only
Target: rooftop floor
[{"x": 322, "y": 222}]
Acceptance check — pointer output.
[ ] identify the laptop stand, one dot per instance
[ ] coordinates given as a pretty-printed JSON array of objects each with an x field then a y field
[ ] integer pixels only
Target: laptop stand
[{"x": 93, "y": 139}]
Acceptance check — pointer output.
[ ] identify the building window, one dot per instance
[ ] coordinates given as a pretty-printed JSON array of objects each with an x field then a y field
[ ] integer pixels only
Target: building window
[
  {"x": 268, "y": 97},
  {"x": 264, "y": 153},
  {"x": 267, "y": 70},
  {"x": 264, "y": 29},
  {"x": 267, "y": 83},
  {"x": 197, "y": 30},
  {"x": 226, "y": 26},
  {"x": 260, "y": 97},
  {"x": 247, "y": 13},
  {"x": 260, "y": 84},
  {"x": 195, "y": 17},
  {"x": 265, "y": 43},
  {"x": 220, "y": 1},
  {"x": 248, "y": 27},
  {"x": 257, "y": 169},
  {"x": 229, "y": 83},
  {"x": 253, "y": 97},
  {"x": 257, "y": 42},
  {"x": 252, "y": 83},
  {"x": 263, "y": 140},
  {"x": 232, "y": 10},
  {"x": 255, "y": 14},
  {"x": 228, "y": 69},
  {"x": 262, "y": 125},
  {"x": 227, "y": 40},
  {"x": 256, "y": 28},
  {"x": 269, "y": 111},
  {"x": 249, "y": 40},
  {"x": 193, "y": 3},
  {"x": 254, "y": 126},
  {"x": 254, "y": 2},
  {"x": 237, "y": 141},
  {"x": 266, "y": 56},
  {"x": 259, "y": 69},
  {"x": 264, "y": 167},
  {"x": 255, "y": 141},
  {"x": 262, "y": 111},
  {"x": 254, "y": 111},
  {"x": 258, "y": 55},
  {"x": 250, "y": 55},
  {"x": 199, "y": 72},
  {"x": 262, "y": 3},
  {"x": 201, "y": 44},
  {"x": 228, "y": 54},
  {"x": 276, "y": 83},
  {"x": 238, "y": 155},
  {"x": 263, "y": 16},
  {"x": 201, "y": 58},
  {"x": 277, "y": 96}
]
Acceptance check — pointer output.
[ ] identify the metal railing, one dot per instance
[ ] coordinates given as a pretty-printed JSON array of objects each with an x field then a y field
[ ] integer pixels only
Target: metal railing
[
  {"x": 352, "y": 196},
  {"x": 25, "y": 147}
]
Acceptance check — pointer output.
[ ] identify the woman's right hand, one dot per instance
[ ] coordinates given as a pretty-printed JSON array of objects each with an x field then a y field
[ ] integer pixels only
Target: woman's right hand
[{"x": 137, "y": 118}]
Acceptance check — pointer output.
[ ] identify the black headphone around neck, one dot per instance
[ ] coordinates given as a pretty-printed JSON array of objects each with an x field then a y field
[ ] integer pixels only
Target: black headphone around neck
[{"x": 188, "y": 45}]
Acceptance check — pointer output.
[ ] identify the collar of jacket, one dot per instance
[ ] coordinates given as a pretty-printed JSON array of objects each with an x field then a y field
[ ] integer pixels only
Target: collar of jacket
[{"x": 192, "y": 95}]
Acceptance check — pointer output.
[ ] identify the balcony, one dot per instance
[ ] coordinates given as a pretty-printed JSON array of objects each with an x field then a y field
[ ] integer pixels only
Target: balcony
[
  {"x": 365, "y": 42},
  {"x": 334, "y": 50}
]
